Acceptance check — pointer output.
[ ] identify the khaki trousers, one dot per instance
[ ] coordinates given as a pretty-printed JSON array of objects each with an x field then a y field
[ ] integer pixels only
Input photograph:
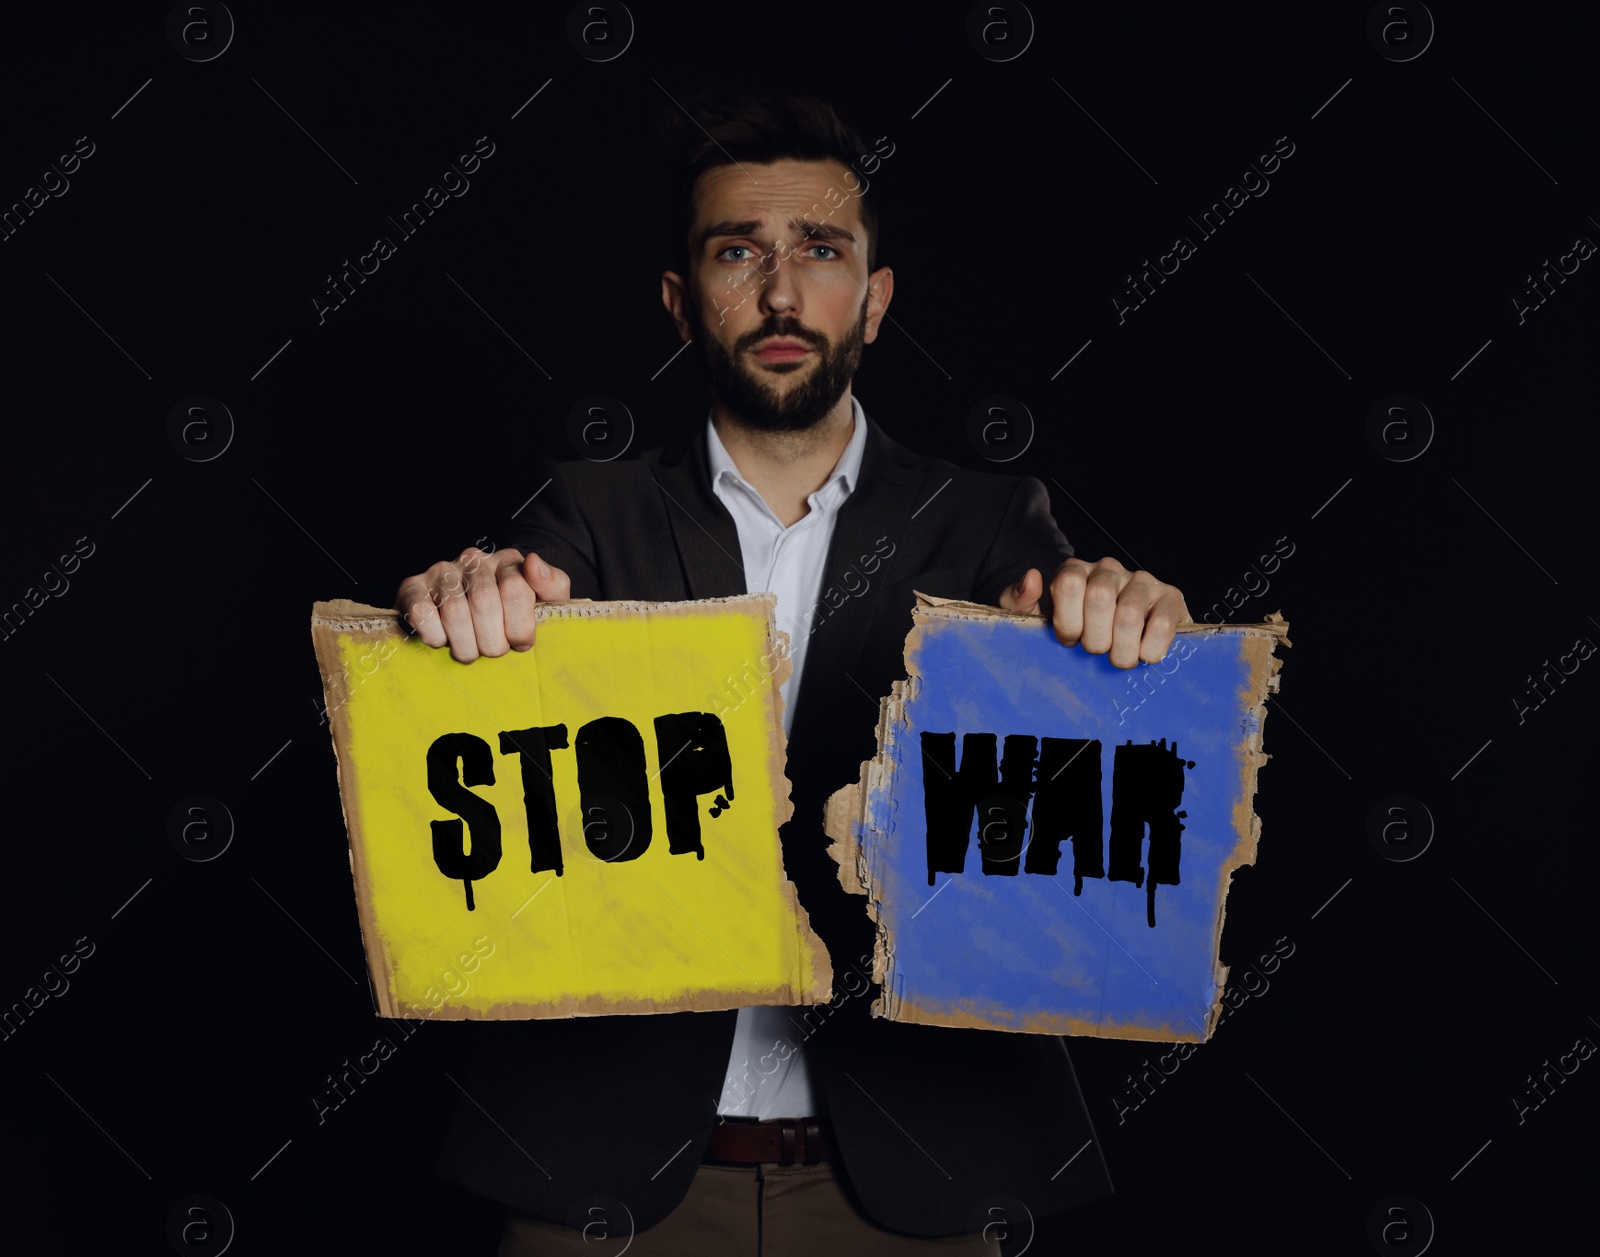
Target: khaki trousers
[{"x": 742, "y": 1211}]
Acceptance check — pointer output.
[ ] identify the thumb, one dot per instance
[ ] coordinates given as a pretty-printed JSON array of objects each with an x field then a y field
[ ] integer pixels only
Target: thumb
[
  {"x": 1023, "y": 597},
  {"x": 549, "y": 584}
]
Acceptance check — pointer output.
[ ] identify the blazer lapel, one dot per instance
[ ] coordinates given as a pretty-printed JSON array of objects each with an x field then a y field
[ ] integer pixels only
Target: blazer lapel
[
  {"x": 875, "y": 515},
  {"x": 703, "y": 531}
]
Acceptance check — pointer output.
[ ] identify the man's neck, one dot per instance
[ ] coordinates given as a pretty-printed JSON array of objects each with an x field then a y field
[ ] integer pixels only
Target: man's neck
[{"x": 786, "y": 468}]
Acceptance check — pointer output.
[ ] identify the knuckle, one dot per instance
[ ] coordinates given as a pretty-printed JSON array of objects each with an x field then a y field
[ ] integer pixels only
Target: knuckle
[
  {"x": 422, "y": 618},
  {"x": 448, "y": 582},
  {"x": 1100, "y": 595},
  {"x": 514, "y": 592}
]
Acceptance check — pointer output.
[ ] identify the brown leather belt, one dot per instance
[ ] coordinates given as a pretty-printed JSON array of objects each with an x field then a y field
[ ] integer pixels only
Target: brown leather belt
[{"x": 784, "y": 1140}]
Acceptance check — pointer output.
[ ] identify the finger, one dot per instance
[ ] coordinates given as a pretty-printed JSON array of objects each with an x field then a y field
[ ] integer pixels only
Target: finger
[
  {"x": 517, "y": 599},
  {"x": 483, "y": 601},
  {"x": 1066, "y": 598},
  {"x": 415, "y": 603},
  {"x": 1023, "y": 597},
  {"x": 450, "y": 597},
  {"x": 1160, "y": 626},
  {"x": 1100, "y": 592},
  {"x": 549, "y": 584},
  {"x": 1128, "y": 621}
]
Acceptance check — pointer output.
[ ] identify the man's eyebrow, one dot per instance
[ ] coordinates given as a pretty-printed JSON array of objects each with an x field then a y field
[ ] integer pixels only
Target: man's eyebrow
[
  {"x": 750, "y": 226},
  {"x": 821, "y": 231}
]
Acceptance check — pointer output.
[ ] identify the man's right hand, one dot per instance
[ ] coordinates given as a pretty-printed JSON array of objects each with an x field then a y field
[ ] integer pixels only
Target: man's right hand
[{"x": 482, "y": 604}]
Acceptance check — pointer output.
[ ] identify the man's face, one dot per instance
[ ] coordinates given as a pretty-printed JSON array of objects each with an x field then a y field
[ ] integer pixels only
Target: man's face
[{"x": 778, "y": 293}]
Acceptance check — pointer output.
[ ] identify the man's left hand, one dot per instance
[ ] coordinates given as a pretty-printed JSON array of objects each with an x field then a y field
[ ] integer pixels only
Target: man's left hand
[{"x": 1105, "y": 606}]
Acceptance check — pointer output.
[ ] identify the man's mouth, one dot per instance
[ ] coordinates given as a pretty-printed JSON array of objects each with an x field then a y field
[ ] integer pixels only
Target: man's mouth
[{"x": 782, "y": 351}]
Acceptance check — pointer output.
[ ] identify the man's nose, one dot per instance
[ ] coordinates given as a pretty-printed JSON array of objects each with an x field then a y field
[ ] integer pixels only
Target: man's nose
[{"x": 780, "y": 289}]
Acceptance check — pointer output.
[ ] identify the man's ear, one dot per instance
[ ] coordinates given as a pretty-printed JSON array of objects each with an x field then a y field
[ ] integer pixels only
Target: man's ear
[
  {"x": 880, "y": 290},
  {"x": 675, "y": 296}
]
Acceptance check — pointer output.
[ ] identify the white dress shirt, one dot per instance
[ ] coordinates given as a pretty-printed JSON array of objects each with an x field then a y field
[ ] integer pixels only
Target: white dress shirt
[{"x": 767, "y": 1074}]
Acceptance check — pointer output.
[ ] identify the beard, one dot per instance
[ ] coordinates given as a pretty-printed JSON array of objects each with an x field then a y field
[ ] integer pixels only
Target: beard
[{"x": 756, "y": 400}]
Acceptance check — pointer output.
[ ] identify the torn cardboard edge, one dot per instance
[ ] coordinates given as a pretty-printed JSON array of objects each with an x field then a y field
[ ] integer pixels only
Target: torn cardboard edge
[
  {"x": 383, "y": 626},
  {"x": 847, "y": 810}
]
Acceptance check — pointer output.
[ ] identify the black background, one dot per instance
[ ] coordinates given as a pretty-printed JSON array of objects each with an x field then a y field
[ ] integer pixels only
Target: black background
[{"x": 1213, "y": 422}]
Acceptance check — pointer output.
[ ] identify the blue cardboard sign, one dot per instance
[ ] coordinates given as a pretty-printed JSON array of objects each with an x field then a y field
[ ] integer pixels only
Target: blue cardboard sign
[{"x": 1046, "y": 841}]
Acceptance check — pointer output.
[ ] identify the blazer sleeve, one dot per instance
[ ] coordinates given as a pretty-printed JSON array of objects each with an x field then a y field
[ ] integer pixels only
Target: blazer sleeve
[
  {"x": 554, "y": 528},
  {"x": 1027, "y": 537}
]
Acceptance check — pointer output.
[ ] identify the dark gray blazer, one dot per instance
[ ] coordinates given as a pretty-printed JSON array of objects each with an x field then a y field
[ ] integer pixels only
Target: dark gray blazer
[{"x": 929, "y": 1122}]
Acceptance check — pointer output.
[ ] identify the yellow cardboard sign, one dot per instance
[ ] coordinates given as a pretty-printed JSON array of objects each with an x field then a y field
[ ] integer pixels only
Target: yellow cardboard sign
[{"x": 588, "y": 827}]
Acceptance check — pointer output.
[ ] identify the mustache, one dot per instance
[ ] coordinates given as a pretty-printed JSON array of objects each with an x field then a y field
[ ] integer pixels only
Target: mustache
[{"x": 803, "y": 335}]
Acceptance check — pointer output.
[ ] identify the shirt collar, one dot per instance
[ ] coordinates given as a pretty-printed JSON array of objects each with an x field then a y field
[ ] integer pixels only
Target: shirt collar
[{"x": 847, "y": 469}]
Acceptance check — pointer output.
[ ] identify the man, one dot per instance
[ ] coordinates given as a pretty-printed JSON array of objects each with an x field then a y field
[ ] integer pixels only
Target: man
[{"x": 782, "y": 1130}]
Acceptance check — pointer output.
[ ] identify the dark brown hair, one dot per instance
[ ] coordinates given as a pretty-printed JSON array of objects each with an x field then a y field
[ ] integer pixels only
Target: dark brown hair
[{"x": 728, "y": 127}]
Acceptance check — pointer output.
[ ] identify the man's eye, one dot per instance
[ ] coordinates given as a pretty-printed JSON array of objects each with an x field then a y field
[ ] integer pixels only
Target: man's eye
[
  {"x": 829, "y": 248},
  {"x": 730, "y": 249}
]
